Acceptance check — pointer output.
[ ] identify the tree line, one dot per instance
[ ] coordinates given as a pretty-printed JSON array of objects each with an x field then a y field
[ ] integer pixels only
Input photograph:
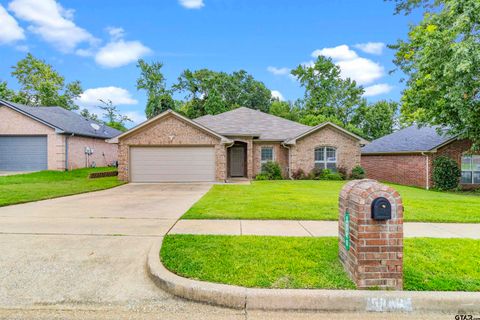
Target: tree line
[{"x": 439, "y": 58}]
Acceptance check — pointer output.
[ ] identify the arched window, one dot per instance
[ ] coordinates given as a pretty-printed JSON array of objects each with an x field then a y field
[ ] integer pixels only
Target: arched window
[{"x": 326, "y": 158}]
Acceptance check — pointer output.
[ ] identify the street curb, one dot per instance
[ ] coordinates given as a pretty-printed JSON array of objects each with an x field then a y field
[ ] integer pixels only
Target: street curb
[{"x": 308, "y": 299}]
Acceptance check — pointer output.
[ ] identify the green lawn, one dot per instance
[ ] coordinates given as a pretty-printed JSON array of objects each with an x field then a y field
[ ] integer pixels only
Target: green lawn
[
  {"x": 51, "y": 184},
  {"x": 288, "y": 262},
  {"x": 318, "y": 200}
]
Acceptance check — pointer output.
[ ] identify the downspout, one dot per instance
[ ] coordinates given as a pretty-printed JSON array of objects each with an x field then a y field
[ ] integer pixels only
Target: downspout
[
  {"x": 289, "y": 161},
  {"x": 427, "y": 165},
  {"x": 66, "y": 151}
]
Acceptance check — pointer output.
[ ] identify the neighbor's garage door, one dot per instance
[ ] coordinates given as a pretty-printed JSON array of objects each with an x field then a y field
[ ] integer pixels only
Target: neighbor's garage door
[
  {"x": 23, "y": 153},
  {"x": 172, "y": 164}
]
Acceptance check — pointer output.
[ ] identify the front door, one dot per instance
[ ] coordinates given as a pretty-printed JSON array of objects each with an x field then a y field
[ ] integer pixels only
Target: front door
[{"x": 237, "y": 162}]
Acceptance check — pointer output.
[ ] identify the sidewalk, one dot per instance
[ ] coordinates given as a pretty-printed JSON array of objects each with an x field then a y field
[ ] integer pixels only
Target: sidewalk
[{"x": 304, "y": 228}]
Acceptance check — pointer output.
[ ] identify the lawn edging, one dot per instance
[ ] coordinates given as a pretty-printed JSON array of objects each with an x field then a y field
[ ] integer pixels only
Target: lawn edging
[{"x": 307, "y": 299}]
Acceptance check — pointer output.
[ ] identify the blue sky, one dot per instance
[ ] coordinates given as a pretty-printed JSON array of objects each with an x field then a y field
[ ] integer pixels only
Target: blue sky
[{"x": 98, "y": 42}]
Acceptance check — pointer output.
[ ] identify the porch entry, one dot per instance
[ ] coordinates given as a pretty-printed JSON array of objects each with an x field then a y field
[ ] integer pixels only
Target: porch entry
[{"x": 237, "y": 155}]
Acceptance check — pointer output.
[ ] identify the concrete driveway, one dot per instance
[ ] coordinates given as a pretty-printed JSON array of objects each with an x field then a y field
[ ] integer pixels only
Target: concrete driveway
[{"x": 89, "y": 251}]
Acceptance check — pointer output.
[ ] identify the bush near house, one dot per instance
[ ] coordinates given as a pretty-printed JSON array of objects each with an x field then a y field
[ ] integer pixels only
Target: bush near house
[
  {"x": 446, "y": 173},
  {"x": 357, "y": 173},
  {"x": 270, "y": 171}
]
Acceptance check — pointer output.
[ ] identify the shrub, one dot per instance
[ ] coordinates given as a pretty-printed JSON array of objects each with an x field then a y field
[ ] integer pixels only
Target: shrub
[
  {"x": 342, "y": 171},
  {"x": 324, "y": 174},
  {"x": 299, "y": 174},
  {"x": 446, "y": 173},
  {"x": 272, "y": 170},
  {"x": 358, "y": 173},
  {"x": 333, "y": 176},
  {"x": 261, "y": 176}
]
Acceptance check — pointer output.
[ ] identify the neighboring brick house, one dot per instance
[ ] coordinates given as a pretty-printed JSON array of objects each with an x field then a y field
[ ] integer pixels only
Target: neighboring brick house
[
  {"x": 406, "y": 157},
  {"x": 233, "y": 144},
  {"x": 53, "y": 138}
]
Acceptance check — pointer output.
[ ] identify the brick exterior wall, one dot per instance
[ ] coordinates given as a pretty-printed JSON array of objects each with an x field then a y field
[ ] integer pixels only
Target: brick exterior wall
[
  {"x": 348, "y": 149},
  {"x": 405, "y": 169},
  {"x": 411, "y": 169},
  {"x": 171, "y": 131},
  {"x": 103, "y": 153},
  {"x": 374, "y": 258},
  {"x": 280, "y": 155}
]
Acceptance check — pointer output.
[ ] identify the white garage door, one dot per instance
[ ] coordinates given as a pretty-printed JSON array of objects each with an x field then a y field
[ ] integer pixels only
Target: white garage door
[{"x": 172, "y": 164}]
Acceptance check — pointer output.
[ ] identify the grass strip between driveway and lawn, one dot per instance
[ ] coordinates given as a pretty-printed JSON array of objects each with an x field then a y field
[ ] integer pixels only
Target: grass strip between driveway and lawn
[
  {"x": 42, "y": 185},
  {"x": 290, "y": 262},
  {"x": 318, "y": 200}
]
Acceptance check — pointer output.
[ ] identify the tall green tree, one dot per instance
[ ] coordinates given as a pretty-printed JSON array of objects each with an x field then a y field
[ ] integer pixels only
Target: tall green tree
[
  {"x": 113, "y": 117},
  {"x": 152, "y": 80},
  {"x": 377, "y": 119},
  {"x": 285, "y": 109},
  {"x": 326, "y": 93},
  {"x": 211, "y": 92},
  {"x": 41, "y": 85},
  {"x": 441, "y": 58}
]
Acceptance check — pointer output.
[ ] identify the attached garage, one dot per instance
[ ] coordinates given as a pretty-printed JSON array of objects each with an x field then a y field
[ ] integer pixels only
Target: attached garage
[
  {"x": 23, "y": 153},
  {"x": 172, "y": 164},
  {"x": 171, "y": 148}
]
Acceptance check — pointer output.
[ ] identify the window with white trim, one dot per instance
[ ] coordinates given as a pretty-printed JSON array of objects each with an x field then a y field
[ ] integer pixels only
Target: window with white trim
[
  {"x": 470, "y": 169},
  {"x": 326, "y": 158},
  {"x": 267, "y": 155}
]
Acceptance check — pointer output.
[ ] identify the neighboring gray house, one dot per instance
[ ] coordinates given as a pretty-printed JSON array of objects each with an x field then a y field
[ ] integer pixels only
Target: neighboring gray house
[{"x": 41, "y": 138}]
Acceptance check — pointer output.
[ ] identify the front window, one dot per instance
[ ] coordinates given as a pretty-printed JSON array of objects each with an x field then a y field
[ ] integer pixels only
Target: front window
[
  {"x": 267, "y": 154},
  {"x": 470, "y": 169},
  {"x": 326, "y": 158}
]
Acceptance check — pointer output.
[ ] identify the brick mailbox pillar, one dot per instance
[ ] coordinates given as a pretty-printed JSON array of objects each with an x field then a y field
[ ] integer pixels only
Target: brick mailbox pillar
[{"x": 371, "y": 243}]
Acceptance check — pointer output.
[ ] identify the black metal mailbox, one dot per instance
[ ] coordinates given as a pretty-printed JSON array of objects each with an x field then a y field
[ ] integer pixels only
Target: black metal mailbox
[{"x": 381, "y": 209}]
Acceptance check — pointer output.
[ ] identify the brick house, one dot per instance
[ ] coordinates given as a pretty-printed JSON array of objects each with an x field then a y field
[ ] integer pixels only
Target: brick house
[
  {"x": 233, "y": 144},
  {"x": 53, "y": 138},
  {"x": 406, "y": 157}
]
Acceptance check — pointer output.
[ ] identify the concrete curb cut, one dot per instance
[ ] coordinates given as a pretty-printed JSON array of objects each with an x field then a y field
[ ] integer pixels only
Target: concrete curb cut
[{"x": 308, "y": 299}]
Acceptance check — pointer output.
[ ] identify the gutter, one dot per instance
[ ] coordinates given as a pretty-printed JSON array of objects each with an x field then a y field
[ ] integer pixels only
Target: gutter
[
  {"x": 289, "y": 160},
  {"x": 66, "y": 151},
  {"x": 427, "y": 165}
]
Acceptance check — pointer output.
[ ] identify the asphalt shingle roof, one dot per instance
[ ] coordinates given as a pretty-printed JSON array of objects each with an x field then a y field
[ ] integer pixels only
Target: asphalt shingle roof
[
  {"x": 410, "y": 139},
  {"x": 245, "y": 121},
  {"x": 65, "y": 120}
]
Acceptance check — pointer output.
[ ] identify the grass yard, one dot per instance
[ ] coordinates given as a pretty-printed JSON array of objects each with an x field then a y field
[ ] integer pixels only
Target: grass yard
[
  {"x": 51, "y": 184},
  {"x": 318, "y": 200},
  {"x": 284, "y": 262}
]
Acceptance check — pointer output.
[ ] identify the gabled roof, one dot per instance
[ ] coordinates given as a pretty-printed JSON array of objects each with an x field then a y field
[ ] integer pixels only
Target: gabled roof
[
  {"x": 322, "y": 125},
  {"x": 173, "y": 113},
  {"x": 248, "y": 122},
  {"x": 411, "y": 139},
  {"x": 64, "y": 121}
]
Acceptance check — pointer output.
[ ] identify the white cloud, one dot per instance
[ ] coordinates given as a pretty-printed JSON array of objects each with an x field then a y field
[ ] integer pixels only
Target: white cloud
[
  {"x": 11, "y": 31},
  {"x": 278, "y": 95},
  {"x": 119, "y": 52},
  {"x": 371, "y": 47},
  {"x": 119, "y": 96},
  {"x": 278, "y": 71},
  {"x": 363, "y": 71},
  {"x": 192, "y": 4},
  {"x": 52, "y": 22},
  {"x": 377, "y": 89},
  {"x": 342, "y": 52},
  {"x": 135, "y": 116}
]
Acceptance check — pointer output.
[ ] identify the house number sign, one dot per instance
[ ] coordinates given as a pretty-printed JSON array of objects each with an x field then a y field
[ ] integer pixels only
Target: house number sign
[{"x": 347, "y": 230}]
